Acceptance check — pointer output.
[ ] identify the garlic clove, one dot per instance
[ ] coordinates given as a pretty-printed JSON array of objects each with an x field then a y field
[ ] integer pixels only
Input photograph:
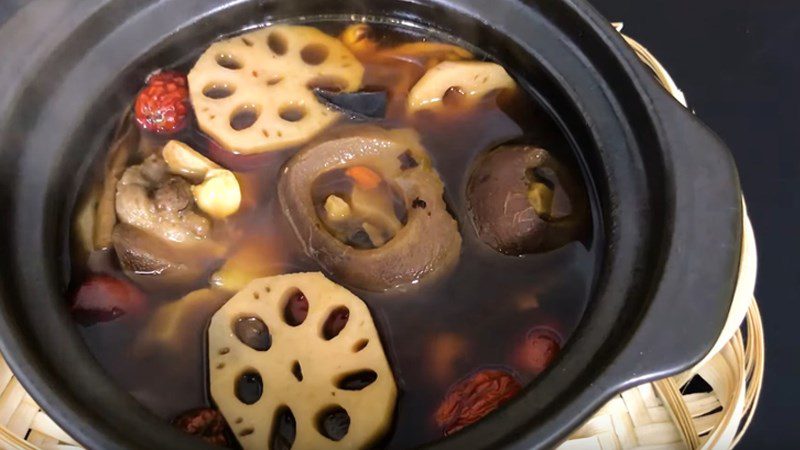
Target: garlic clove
[{"x": 219, "y": 195}]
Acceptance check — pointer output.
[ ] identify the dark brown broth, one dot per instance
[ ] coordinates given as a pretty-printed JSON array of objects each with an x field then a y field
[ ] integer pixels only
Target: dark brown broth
[{"x": 489, "y": 301}]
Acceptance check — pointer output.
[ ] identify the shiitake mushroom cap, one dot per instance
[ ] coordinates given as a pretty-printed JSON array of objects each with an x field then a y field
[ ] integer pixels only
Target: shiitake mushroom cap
[{"x": 522, "y": 200}]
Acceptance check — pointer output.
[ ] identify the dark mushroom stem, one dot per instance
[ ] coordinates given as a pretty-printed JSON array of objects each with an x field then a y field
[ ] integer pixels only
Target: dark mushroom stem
[
  {"x": 426, "y": 243},
  {"x": 522, "y": 200}
]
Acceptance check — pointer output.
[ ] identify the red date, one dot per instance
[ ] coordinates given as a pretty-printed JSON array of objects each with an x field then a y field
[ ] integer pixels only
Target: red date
[
  {"x": 537, "y": 350},
  {"x": 205, "y": 423},
  {"x": 474, "y": 397},
  {"x": 102, "y": 298}
]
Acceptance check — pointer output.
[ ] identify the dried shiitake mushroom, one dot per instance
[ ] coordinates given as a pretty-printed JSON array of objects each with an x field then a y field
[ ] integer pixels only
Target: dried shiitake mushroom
[
  {"x": 295, "y": 360},
  {"x": 524, "y": 201},
  {"x": 253, "y": 93},
  {"x": 391, "y": 231},
  {"x": 470, "y": 81}
]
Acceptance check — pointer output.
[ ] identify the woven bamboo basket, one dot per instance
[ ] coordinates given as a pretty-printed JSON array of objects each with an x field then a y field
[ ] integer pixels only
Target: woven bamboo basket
[{"x": 654, "y": 416}]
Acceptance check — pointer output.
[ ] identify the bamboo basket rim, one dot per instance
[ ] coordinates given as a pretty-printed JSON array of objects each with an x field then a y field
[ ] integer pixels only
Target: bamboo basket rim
[
  {"x": 27, "y": 427},
  {"x": 740, "y": 345}
]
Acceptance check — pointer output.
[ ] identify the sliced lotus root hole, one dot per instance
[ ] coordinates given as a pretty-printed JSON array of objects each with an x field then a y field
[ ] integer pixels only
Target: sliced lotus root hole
[
  {"x": 244, "y": 117},
  {"x": 249, "y": 387},
  {"x": 324, "y": 362},
  {"x": 253, "y": 332},
  {"x": 314, "y": 54},
  {"x": 276, "y": 42},
  {"x": 292, "y": 113},
  {"x": 357, "y": 381},
  {"x": 284, "y": 429},
  {"x": 297, "y": 371},
  {"x": 454, "y": 96},
  {"x": 217, "y": 91},
  {"x": 333, "y": 422},
  {"x": 360, "y": 345},
  {"x": 228, "y": 61},
  {"x": 335, "y": 322},
  {"x": 295, "y": 310},
  {"x": 271, "y": 71}
]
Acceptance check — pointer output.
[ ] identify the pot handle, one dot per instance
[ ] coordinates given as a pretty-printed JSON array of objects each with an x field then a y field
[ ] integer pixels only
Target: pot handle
[{"x": 693, "y": 298}]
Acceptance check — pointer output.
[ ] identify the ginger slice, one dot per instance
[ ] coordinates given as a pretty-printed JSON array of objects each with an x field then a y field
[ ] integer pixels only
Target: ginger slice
[
  {"x": 298, "y": 361},
  {"x": 253, "y": 93},
  {"x": 168, "y": 328},
  {"x": 471, "y": 80}
]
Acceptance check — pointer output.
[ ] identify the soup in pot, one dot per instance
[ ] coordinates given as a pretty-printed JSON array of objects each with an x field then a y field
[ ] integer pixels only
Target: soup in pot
[{"x": 332, "y": 234}]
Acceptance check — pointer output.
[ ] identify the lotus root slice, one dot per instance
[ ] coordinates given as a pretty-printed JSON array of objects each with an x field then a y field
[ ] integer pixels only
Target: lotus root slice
[
  {"x": 471, "y": 80},
  {"x": 253, "y": 93},
  {"x": 306, "y": 366}
]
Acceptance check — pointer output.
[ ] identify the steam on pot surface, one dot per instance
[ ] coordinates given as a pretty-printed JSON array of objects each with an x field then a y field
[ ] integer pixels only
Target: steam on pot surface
[{"x": 331, "y": 234}]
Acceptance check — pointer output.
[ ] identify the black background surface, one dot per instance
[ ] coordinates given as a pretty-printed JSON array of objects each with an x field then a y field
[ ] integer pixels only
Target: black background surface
[{"x": 738, "y": 62}]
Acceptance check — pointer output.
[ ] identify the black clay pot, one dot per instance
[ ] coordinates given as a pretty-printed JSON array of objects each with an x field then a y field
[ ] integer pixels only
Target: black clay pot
[{"x": 669, "y": 193}]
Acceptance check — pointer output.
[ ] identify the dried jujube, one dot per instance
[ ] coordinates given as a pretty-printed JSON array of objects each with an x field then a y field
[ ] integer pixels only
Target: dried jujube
[
  {"x": 474, "y": 397},
  {"x": 205, "y": 423},
  {"x": 102, "y": 298},
  {"x": 538, "y": 349},
  {"x": 162, "y": 106}
]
